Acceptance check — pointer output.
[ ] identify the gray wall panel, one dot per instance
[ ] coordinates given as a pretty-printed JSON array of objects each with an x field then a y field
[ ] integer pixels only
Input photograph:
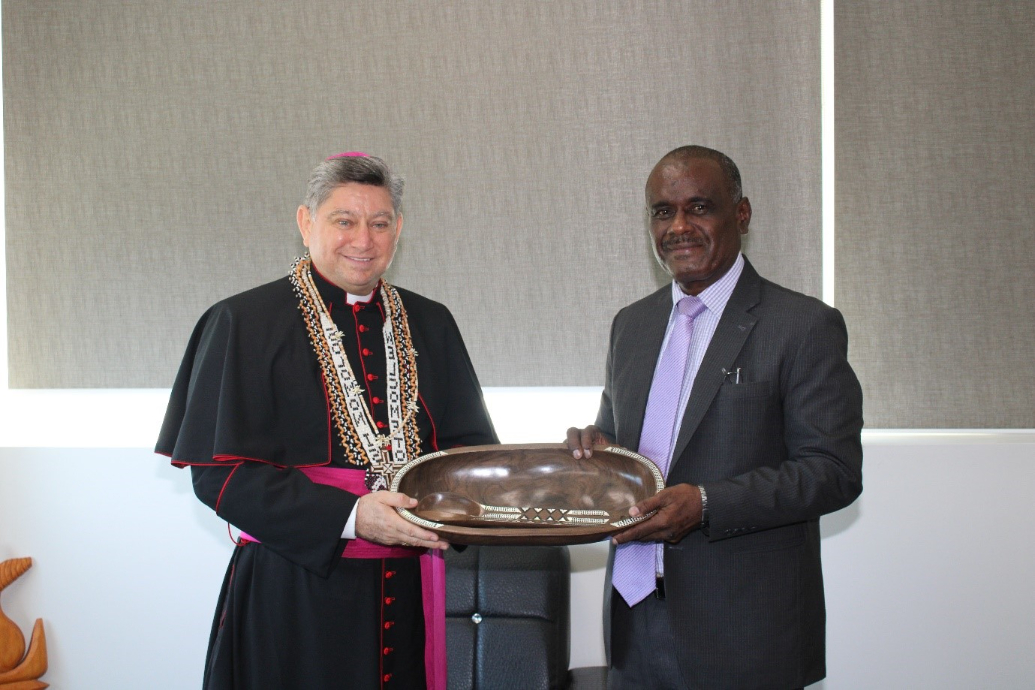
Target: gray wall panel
[
  {"x": 156, "y": 153},
  {"x": 935, "y": 249}
]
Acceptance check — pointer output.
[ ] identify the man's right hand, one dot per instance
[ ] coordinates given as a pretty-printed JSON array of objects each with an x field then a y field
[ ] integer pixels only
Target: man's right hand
[
  {"x": 378, "y": 521},
  {"x": 581, "y": 441}
]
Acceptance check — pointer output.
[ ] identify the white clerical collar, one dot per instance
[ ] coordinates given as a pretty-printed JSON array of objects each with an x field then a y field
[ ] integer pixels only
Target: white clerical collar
[{"x": 352, "y": 299}]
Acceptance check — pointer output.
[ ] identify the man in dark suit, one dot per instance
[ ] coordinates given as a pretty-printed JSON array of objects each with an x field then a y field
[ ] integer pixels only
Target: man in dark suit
[{"x": 743, "y": 395}]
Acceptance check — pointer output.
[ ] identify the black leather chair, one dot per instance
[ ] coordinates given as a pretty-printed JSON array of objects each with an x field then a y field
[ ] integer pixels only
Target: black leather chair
[{"x": 507, "y": 619}]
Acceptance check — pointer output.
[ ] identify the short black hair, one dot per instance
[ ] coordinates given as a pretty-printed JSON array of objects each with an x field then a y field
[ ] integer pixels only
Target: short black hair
[{"x": 729, "y": 168}]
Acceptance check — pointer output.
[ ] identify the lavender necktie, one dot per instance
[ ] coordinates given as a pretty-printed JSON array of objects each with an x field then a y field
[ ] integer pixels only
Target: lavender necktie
[{"x": 634, "y": 569}]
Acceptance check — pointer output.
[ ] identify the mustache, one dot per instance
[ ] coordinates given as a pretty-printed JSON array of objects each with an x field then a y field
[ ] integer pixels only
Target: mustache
[{"x": 678, "y": 241}]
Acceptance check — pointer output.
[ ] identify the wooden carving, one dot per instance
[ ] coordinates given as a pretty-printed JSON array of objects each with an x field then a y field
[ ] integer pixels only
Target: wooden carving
[
  {"x": 20, "y": 669},
  {"x": 526, "y": 494}
]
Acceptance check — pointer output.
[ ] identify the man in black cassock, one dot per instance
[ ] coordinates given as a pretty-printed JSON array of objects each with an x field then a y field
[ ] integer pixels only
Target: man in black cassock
[{"x": 294, "y": 406}]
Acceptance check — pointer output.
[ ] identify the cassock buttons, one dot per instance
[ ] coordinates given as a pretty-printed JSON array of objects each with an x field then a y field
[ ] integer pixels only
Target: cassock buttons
[
  {"x": 389, "y": 600},
  {"x": 366, "y": 352},
  {"x": 363, "y": 329},
  {"x": 388, "y": 650},
  {"x": 381, "y": 425},
  {"x": 389, "y": 574},
  {"x": 376, "y": 400},
  {"x": 387, "y": 677},
  {"x": 357, "y": 307},
  {"x": 389, "y": 624},
  {"x": 371, "y": 377}
]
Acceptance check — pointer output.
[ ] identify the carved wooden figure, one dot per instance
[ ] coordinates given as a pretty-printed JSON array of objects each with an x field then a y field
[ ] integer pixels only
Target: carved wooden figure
[{"x": 20, "y": 669}]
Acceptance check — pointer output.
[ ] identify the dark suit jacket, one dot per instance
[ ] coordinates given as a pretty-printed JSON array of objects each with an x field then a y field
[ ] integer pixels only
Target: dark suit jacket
[{"x": 773, "y": 453}]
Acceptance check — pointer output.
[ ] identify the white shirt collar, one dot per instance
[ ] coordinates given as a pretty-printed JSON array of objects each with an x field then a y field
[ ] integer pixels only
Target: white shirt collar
[{"x": 716, "y": 295}]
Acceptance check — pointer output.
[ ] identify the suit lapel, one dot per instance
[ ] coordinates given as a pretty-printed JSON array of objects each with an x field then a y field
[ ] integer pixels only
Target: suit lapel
[
  {"x": 649, "y": 331},
  {"x": 732, "y": 332}
]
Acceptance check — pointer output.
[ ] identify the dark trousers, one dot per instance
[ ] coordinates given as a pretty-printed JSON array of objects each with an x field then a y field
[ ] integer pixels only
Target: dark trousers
[
  {"x": 643, "y": 649},
  {"x": 644, "y": 655}
]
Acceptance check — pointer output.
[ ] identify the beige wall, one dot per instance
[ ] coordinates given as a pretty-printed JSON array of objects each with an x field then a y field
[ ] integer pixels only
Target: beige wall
[
  {"x": 156, "y": 153},
  {"x": 935, "y": 221}
]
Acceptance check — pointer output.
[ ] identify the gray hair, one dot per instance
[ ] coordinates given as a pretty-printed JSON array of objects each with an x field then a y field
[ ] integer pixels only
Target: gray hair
[
  {"x": 335, "y": 172},
  {"x": 729, "y": 168}
]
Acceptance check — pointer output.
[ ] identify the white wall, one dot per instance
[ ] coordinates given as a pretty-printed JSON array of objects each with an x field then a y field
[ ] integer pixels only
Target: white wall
[{"x": 928, "y": 574}]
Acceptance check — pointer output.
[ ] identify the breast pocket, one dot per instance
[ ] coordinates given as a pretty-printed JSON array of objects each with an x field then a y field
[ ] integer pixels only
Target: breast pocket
[
  {"x": 743, "y": 391},
  {"x": 744, "y": 421},
  {"x": 746, "y": 403}
]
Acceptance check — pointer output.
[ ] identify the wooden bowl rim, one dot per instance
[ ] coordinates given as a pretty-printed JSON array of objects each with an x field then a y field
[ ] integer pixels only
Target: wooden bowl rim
[{"x": 529, "y": 535}]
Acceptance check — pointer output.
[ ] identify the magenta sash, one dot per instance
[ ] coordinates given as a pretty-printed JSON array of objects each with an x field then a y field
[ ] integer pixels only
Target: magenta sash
[{"x": 432, "y": 572}]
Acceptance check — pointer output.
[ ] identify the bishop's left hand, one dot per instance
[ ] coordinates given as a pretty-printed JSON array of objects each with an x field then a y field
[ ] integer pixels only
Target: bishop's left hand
[{"x": 679, "y": 511}]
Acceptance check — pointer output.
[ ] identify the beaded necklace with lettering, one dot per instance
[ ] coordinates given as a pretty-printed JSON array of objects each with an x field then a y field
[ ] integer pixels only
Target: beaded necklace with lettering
[{"x": 381, "y": 454}]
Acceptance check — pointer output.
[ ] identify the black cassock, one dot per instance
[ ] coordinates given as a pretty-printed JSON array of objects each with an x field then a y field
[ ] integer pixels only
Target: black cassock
[{"x": 247, "y": 409}]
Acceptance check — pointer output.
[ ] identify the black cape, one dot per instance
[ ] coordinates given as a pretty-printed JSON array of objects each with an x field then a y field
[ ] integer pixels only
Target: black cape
[{"x": 247, "y": 408}]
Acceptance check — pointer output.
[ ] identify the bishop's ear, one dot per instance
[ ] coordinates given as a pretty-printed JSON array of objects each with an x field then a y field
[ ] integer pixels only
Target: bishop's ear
[{"x": 304, "y": 223}]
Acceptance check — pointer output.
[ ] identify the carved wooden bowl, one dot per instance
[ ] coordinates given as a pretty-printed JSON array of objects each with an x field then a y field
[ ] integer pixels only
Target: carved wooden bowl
[{"x": 526, "y": 494}]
